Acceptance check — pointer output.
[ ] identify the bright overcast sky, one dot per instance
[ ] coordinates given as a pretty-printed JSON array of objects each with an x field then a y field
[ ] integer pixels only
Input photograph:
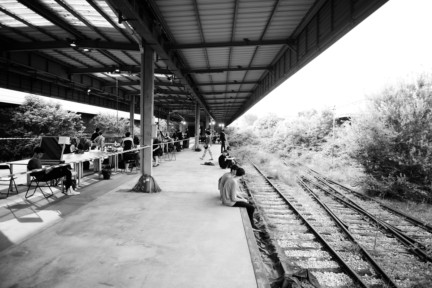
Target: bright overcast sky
[{"x": 391, "y": 45}]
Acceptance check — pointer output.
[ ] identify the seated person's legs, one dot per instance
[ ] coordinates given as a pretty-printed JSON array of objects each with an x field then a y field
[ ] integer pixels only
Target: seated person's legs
[{"x": 250, "y": 210}]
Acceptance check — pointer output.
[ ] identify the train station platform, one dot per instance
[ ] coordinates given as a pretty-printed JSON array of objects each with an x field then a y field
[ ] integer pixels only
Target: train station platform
[{"x": 109, "y": 236}]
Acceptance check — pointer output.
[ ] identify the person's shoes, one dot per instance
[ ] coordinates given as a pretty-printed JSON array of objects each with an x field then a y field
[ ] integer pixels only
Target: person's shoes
[
  {"x": 72, "y": 192},
  {"x": 201, "y": 158},
  {"x": 211, "y": 159}
]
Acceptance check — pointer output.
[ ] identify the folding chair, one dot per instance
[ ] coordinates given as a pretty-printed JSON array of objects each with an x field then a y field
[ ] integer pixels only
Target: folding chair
[
  {"x": 37, "y": 178},
  {"x": 10, "y": 179},
  {"x": 130, "y": 162}
]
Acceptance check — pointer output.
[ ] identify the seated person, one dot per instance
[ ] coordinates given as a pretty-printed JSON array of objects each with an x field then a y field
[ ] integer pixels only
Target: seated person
[
  {"x": 225, "y": 161},
  {"x": 128, "y": 144},
  {"x": 50, "y": 173},
  {"x": 231, "y": 195},
  {"x": 157, "y": 151}
]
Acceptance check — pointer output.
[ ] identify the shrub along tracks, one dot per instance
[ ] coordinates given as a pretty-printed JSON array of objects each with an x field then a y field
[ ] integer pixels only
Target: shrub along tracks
[{"x": 336, "y": 244}]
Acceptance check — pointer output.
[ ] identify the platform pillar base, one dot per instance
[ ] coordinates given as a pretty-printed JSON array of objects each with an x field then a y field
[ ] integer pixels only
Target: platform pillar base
[{"x": 146, "y": 184}]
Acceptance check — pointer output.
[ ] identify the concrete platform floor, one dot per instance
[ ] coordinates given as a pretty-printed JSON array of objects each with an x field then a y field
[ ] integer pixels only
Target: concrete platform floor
[{"x": 111, "y": 237}]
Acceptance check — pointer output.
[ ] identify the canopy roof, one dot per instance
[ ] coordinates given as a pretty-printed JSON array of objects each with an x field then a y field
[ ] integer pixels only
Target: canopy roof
[{"x": 225, "y": 55}]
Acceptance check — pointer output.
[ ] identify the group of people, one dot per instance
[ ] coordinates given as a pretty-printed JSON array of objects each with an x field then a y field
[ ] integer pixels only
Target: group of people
[{"x": 167, "y": 143}]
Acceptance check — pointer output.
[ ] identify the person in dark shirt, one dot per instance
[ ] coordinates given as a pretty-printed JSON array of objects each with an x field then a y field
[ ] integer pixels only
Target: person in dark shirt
[
  {"x": 127, "y": 142},
  {"x": 225, "y": 161},
  {"x": 157, "y": 151},
  {"x": 95, "y": 134},
  {"x": 50, "y": 173},
  {"x": 136, "y": 141},
  {"x": 222, "y": 138}
]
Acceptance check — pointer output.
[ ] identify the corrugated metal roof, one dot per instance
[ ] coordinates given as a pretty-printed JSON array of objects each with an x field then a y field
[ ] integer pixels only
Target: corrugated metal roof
[{"x": 225, "y": 50}]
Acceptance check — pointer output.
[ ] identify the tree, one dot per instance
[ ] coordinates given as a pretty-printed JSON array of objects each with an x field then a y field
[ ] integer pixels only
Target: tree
[
  {"x": 109, "y": 125},
  {"x": 395, "y": 138},
  {"x": 265, "y": 126},
  {"x": 33, "y": 119},
  {"x": 250, "y": 119}
]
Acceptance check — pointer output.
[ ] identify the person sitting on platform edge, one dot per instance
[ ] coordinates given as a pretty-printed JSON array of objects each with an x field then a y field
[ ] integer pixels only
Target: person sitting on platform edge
[
  {"x": 225, "y": 161},
  {"x": 231, "y": 195},
  {"x": 51, "y": 173},
  {"x": 225, "y": 177}
]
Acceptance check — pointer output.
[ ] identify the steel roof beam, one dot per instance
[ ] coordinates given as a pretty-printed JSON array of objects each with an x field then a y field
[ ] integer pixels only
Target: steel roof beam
[
  {"x": 135, "y": 83},
  {"x": 137, "y": 14},
  {"x": 226, "y": 83},
  {"x": 136, "y": 69},
  {"x": 80, "y": 44},
  {"x": 226, "y": 92},
  {"x": 168, "y": 92},
  {"x": 225, "y": 69},
  {"x": 233, "y": 44},
  {"x": 122, "y": 68},
  {"x": 48, "y": 15}
]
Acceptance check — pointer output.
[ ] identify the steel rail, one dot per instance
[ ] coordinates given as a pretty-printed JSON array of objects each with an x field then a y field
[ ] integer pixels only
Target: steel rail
[
  {"x": 351, "y": 272},
  {"x": 409, "y": 218},
  {"x": 343, "y": 226},
  {"x": 411, "y": 244}
]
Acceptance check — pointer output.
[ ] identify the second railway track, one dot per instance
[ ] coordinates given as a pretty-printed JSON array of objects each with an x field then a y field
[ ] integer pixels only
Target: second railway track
[{"x": 324, "y": 239}]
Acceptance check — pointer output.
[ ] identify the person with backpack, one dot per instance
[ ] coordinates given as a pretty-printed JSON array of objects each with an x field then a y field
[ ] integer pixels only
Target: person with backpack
[{"x": 222, "y": 139}]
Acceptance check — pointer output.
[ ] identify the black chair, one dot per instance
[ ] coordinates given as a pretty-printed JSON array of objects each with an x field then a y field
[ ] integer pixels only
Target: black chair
[
  {"x": 39, "y": 177},
  {"x": 129, "y": 159},
  {"x": 10, "y": 179}
]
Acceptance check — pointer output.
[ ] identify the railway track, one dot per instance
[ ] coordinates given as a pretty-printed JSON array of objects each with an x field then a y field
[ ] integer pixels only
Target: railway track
[
  {"x": 414, "y": 228},
  {"x": 407, "y": 260},
  {"x": 334, "y": 244},
  {"x": 307, "y": 238}
]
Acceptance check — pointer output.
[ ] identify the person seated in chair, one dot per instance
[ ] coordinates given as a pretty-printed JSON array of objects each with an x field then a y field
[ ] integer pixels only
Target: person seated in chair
[
  {"x": 128, "y": 144},
  {"x": 51, "y": 173},
  {"x": 225, "y": 161}
]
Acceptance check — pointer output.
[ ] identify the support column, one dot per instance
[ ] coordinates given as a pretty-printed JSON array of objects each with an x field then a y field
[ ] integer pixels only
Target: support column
[
  {"x": 207, "y": 121},
  {"x": 147, "y": 107},
  {"x": 168, "y": 123},
  {"x": 197, "y": 125},
  {"x": 132, "y": 115}
]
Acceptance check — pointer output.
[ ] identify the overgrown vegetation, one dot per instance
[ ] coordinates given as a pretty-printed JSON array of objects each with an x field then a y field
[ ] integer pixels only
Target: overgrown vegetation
[
  {"x": 385, "y": 151},
  {"x": 33, "y": 119}
]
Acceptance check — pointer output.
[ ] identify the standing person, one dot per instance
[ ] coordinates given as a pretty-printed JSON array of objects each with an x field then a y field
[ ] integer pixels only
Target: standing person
[
  {"x": 51, "y": 173},
  {"x": 225, "y": 177},
  {"x": 222, "y": 138},
  {"x": 127, "y": 142},
  {"x": 136, "y": 141},
  {"x": 157, "y": 151},
  {"x": 207, "y": 145},
  {"x": 95, "y": 134},
  {"x": 99, "y": 141},
  {"x": 231, "y": 195}
]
